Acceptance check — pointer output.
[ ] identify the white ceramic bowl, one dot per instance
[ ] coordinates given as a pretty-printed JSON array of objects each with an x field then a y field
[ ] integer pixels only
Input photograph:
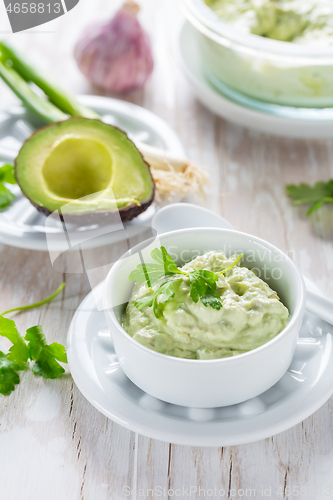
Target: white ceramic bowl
[
  {"x": 207, "y": 383},
  {"x": 273, "y": 71}
]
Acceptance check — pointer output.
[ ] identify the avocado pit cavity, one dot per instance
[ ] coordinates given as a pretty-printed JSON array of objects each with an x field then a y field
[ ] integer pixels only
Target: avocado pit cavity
[{"x": 77, "y": 167}]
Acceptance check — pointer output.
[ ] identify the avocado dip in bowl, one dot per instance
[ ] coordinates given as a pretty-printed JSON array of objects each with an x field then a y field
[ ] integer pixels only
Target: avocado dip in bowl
[
  {"x": 273, "y": 51},
  {"x": 235, "y": 313},
  {"x": 230, "y": 353}
]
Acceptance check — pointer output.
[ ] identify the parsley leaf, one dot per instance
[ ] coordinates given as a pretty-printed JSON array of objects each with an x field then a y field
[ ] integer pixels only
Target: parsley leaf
[
  {"x": 203, "y": 286},
  {"x": 169, "y": 264},
  {"x": 8, "y": 376},
  {"x": 317, "y": 195},
  {"x": 7, "y": 174},
  {"x": 166, "y": 293},
  {"x": 15, "y": 360},
  {"x": 165, "y": 290},
  {"x": 202, "y": 282},
  {"x": 6, "y": 196},
  {"x": 45, "y": 356},
  {"x": 153, "y": 273},
  {"x": 19, "y": 352}
]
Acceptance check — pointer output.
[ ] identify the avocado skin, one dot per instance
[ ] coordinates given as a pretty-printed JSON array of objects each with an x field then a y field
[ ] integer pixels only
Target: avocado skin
[
  {"x": 101, "y": 217},
  {"x": 126, "y": 213}
]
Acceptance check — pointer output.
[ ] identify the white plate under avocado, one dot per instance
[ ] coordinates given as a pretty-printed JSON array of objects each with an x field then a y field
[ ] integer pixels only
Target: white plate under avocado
[{"x": 23, "y": 226}]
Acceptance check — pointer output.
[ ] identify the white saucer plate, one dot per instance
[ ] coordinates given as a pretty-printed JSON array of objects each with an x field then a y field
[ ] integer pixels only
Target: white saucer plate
[
  {"x": 305, "y": 387},
  {"x": 187, "y": 56},
  {"x": 23, "y": 226}
]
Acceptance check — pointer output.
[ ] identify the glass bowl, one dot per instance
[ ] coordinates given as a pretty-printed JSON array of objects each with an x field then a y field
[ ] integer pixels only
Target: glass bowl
[{"x": 272, "y": 71}]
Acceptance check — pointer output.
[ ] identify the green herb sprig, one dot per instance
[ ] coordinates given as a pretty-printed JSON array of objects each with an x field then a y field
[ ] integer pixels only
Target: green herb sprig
[
  {"x": 32, "y": 347},
  {"x": 202, "y": 282},
  {"x": 317, "y": 195},
  {"x": 36, "y": 304},
  {"x": 6, "y": 177}
]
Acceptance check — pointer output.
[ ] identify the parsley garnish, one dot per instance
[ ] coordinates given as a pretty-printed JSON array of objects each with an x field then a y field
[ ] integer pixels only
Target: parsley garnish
[
  {"x": 32, "y": 347},
  {"x": 6, "y": 176},
  {"x": 203, "y": 286},
  {"x": 45, "y": 356},
  {"x": 202, "y": 282},
  {"x": 317, "y": 195},
  {"x": 19, "y": 352},
  {"x": 8, "y": 375},
  {"x": 153, "y": 273}
]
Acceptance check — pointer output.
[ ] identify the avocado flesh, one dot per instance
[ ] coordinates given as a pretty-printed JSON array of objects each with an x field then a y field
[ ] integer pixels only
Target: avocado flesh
[{"x": 83, "y": 166}]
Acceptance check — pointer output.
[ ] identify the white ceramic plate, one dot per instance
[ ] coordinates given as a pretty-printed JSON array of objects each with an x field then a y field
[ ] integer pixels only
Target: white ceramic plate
[
  {"x": 94, "y": 366},
  {"x": 23, "y": 226},
  {"x": 189, "y": 62}
]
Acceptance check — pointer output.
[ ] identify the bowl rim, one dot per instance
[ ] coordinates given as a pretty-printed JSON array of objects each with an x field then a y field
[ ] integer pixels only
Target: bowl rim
[
  {"x": 208, "y": 23},
  {"x": 299, "y": 307}
]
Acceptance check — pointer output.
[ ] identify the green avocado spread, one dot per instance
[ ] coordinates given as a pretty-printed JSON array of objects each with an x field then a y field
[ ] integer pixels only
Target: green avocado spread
[
  {"x": 251, "y": 314},
  {"x": 299, "y": 21}
]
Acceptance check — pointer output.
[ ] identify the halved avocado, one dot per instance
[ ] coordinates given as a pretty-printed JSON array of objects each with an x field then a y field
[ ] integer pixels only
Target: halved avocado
[{"x": 82, "y": 167}]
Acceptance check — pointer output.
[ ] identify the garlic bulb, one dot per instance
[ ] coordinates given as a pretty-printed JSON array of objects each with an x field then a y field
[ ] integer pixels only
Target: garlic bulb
[{"x": 116, "y": 56}]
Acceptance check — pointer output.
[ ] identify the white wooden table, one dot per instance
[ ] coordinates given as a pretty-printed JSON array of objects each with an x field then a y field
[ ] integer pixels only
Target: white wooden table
[{"x": 53, "y": 444}]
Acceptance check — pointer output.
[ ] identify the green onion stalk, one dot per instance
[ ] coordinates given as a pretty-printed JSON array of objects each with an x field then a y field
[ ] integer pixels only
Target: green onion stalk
[{"x": 19, "y": 74}]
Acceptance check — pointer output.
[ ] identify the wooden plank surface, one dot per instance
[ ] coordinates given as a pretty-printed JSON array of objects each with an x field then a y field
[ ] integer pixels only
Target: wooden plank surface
[{"x": 54, "y": 444}]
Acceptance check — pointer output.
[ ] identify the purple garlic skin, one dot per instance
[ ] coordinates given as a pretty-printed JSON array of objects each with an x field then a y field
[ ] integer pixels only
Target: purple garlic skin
[{"x": 116, "y": 56}]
